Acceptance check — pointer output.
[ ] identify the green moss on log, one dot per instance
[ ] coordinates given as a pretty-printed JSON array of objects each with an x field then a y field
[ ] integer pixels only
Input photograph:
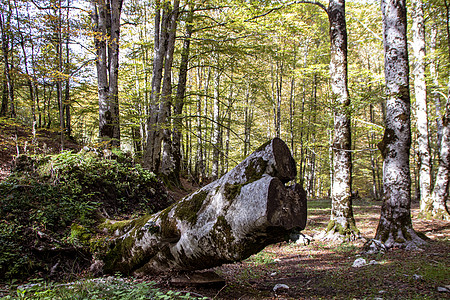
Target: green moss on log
[
  {"x": 188, "y": 209},
  {"x": 232, "y": 190},
  {"x": 255, "y": 170}
]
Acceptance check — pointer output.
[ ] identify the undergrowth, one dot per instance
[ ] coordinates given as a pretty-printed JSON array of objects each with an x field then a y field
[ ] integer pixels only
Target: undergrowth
[
  {"x": 49, "y": 202},
  {"x": 102, "y": 288}
]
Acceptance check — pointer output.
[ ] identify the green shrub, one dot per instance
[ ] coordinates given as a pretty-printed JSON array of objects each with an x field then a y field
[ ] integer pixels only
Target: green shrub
[{"x": 46, "y": 195}]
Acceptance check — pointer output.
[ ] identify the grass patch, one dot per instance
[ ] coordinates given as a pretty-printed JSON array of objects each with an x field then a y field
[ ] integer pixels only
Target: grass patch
[{"x": 103, "y": 288}]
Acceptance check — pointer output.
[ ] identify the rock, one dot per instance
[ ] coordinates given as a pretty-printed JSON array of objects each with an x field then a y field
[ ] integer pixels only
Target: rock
[
  {"x": 417, "y": 277},
  {"x": 374, "y": 247},
  {"x": 280, "y": 286},
  {"x": 301, "y": 239},
  {"x": 373, "y": 262},
  {"x": 359, "y": 262},
  {"x": 442, "y": 289}
]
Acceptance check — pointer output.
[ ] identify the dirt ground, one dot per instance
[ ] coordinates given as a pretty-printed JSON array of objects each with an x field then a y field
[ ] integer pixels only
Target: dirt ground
[{"x": 324, "y": 271}]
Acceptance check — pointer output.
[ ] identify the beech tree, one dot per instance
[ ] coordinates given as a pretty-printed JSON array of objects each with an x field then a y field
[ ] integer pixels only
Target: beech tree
[
  {"x": 342, "y": 221},
  {"x": 166, "y": 15},
  {"x": 420, "y": 90},
  {"x": 395, "y": 226},
  {"x": 105, "y": 17}
]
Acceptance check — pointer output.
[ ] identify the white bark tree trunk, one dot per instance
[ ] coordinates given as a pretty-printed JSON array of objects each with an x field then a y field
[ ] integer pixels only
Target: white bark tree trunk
[
  {"x": 395, "y": 226},
  {"x": 223, "y": 222},
  {"x": 420, "y": 89},
  {"x": 342, "y": 223},
  {"x": 441, "y": 185}
]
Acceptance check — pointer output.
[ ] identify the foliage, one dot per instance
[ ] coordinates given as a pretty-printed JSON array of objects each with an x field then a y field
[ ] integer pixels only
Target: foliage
[
  {"x": 52, "y": 202},
  {"x": 102, "y": 288}
]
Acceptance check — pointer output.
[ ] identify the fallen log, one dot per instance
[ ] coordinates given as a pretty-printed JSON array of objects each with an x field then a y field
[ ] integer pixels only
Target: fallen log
[{"x": 226, "y": 221}]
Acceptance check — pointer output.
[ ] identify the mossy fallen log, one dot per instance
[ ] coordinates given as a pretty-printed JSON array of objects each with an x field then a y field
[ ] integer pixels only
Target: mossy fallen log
[{"x": 226, "y": 221}]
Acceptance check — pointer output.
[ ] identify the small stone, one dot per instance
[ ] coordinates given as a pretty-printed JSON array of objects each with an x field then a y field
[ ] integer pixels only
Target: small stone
[
  {"x": 382, "y": 292},
  {"x": 359, "y": 262},
  {"x": 280, "y": 286},
  {"x": 442, "y": 289},
  {"x": 373, "y": 262},
  {"x": 417, "y": 277},
  {"x": 277, "y": 260},
  {"x": 273, "y": 274}
]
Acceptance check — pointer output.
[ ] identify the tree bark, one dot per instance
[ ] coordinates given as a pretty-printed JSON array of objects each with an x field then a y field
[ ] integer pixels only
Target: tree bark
[
  {"x": 153, "y": 149},
  {"x": 116, "y": 9},
  {"x": 5, "y": 18},
  {"x": 106, "y": 21},
  {"x": 223, "y": 222},
  {"x": 441, "y": 185},
  {"x": 179, "y": 98},
  {"x": 216, "y": 136},
  {"x": 420, "y": 90},
  {"x": 342, "y": 223},
  {"x": 395, "y": 226}
]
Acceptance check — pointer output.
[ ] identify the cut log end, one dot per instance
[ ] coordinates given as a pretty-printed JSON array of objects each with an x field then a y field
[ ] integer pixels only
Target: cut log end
[{"x": 286, "y": 167}]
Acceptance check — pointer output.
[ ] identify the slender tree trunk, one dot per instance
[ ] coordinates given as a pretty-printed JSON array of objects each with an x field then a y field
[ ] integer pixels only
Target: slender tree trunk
[
  {"x": 152, "y": 152},
  {"x": 100, "y": 39},
  {"x": 68, "y": 121},
  {"x": 395, "y": 226},
  {"x": 5, "y": 18},
  {"x": 25, "y": 62},
  {"x": 179, "y": 97},
  {"x": 167, "y": 168},
  {"x": 199, "y": 169},
  {"x": 441, "y": 185},
  {"x": 59, "y": 91},
  {"x": 248, "y": 120},
  {"x": 434, "y": 77},
  {"x": 420, "y": 89},
  {"x": 216, "y": 136},
  {"x": 373, "y": 160},
  {"x": 116, "y": 9}
]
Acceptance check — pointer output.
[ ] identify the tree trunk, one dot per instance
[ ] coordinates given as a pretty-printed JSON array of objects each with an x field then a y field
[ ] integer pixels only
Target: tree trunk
[
  {"x": 164, "y": 134},
  {"x": 342, "y": 223},
  {"x": 179, "y": 98},
  {"x": 216, "y": 136},
  {"x": 153, "y": 149},
  {"x": 99, "y": 22},
  {"x": 420, "y": 89},
  {"x": 199, "y": 164},
  {"x": 223, "y": 222},
  {"x": 395, "y": 226},
  {"x": 116, "y": 9},
  {"x": 5, "y": 21},
  {"x": 441, "y": 184},
  {"x": 59, "y": 91}
]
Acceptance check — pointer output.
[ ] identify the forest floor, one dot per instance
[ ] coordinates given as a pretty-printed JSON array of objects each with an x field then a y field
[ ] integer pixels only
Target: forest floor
[
  {"x": 324, "y": 270},
  {"x": 319, "y": 270},
  {"x": 18, "y": 139}
]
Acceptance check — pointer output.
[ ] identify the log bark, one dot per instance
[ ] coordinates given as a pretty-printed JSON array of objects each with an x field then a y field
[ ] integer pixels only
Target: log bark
[{"x": 226, "y": 221}]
